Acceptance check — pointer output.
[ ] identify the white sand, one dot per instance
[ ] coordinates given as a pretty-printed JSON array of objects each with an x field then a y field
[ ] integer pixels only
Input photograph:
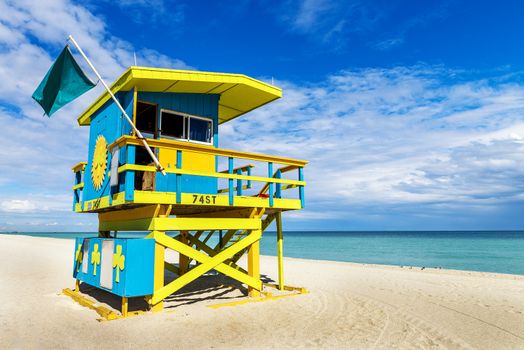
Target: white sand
[{"x": 350, "y": 306}]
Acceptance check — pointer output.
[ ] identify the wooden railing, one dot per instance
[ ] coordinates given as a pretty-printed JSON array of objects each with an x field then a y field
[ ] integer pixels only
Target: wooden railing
[
  {"x": 272, "y": 185},
  {"x": 239, "y": 187},
  {"x": 78, "y": 169}
]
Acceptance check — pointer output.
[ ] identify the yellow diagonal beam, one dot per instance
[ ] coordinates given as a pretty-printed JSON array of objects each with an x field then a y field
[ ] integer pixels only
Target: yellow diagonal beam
[
  {"x": 205, "y": 248},
  {"x": 211, "y": 252},
  {"x": 225, "y": 240},
  {"x": 269, "y": 219},
  {"x": 207, "y": 263}
]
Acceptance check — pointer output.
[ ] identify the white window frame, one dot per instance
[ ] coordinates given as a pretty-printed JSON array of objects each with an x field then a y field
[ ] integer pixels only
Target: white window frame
[
  {"x": 184, "y": 138},
  {"x": 186, "y": 126},
  {"x": 189, "y": 129}
]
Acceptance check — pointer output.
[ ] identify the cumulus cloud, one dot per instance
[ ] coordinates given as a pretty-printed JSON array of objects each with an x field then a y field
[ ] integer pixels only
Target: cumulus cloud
[
  {"x": 36, "y": 153},
  {"x": 337, "y": 23},
  {"x": 422, "y": 142},
  {"x": 328, "y": 21},
  {"x": 398, "y": 141},
  {"x": 17, "y": 205}
]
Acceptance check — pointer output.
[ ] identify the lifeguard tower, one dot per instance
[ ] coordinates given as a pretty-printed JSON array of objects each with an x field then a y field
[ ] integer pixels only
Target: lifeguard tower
[{"x": 207, "y": 190}]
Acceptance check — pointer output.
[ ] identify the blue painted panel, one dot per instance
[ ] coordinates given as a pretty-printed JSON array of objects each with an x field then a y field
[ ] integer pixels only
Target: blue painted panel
[
  {"x": 119, "y": 287},
  {"x": 77, "y": 266},
  {"x": 189, "y": 183},
  {"x": 109, "y": 122},
  {"x": 137, "y": 277},
  {"x": 88, "y": 276},
  {"x": 140, "y": 267},
  {"x": 205, "y": 105}
]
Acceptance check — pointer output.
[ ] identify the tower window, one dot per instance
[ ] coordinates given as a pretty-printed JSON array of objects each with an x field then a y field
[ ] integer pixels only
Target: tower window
[
  {"x": 173, "y": 125},
  {"x": 186, "y": 127}
]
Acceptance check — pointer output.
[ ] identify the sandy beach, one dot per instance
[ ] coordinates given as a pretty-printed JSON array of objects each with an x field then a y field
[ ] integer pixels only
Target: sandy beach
[{"x": 350, "y": 306}]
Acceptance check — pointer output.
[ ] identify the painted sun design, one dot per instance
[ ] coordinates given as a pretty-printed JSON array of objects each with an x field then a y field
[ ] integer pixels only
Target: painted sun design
[{"x": 99, "y": 164}]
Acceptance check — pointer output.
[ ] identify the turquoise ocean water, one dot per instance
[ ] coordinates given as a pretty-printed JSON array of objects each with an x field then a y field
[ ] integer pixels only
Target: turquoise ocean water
[{"x": 494, "y": 251}]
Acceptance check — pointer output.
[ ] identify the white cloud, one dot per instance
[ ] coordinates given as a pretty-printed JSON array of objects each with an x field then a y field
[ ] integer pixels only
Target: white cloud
[
  {"x": 36, "y": 153},
  {"x": 422, "y": 138},
  {"x": 310, "y": 12},
  {"x": 337, "y": 23},
  {"x": 17, "y": 205},
  {"x": 412, "y": 141}
]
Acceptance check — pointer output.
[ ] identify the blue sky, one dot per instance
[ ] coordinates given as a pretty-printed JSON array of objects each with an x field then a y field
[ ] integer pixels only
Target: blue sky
[{"x": 410, "y": 112}]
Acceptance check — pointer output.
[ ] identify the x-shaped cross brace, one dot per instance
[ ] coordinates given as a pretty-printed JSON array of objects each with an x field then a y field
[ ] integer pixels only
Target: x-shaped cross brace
[{"x": 207, "y": 263}]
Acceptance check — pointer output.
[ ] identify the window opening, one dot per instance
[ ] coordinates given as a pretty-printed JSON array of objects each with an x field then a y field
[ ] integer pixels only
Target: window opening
[
  {"x": 172, "y": 125},
  {"x": 186, "y": 127}
]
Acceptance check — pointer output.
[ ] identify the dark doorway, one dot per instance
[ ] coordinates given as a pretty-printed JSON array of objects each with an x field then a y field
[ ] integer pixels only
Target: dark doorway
[{"x": 146, "y": 116}]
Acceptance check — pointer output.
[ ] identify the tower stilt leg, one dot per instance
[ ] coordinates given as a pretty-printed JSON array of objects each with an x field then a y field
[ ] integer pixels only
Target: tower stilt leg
[
  {"x": 159, "y": 271},
  {"x": 253, "y": 266},
  {"x": 280, "y": 254},
  {"x": 124, "y": 306}
]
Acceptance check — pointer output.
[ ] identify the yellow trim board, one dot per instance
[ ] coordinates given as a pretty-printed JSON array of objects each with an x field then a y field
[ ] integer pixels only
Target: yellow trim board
[
  {"x": 148, "y": 197},
  {"x": 78, "y": 186},
  {"x": 149, "y": 168},
  {"x": 265, "y": 297},
  {"x": 79, "y": 166},
  {"x": 239, "y": 93},
  {"x": 104, "y": 312},
  {"x": 176, "y": 224},
  {"x": 221, "y": 152}
]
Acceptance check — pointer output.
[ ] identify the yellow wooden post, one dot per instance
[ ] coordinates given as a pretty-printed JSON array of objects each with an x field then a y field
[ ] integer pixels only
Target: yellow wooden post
[
  {"x": 77, "y": 286},
  {"x": 280, "y": 248},
  {"x": 159, "y": 271},
  {"x": 124, "y": 306},
  {"x": 253, "y": 266}
]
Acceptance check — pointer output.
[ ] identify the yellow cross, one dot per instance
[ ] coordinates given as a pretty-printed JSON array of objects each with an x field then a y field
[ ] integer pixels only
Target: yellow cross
[
  {"x": 118, "y": 262},
  {"x": 95, "y": 258},
  {"x": 78, "y": 257}
]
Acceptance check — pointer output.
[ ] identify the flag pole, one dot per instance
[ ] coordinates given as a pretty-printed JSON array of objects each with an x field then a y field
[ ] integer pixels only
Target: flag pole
[{"x": 138, "y": 133}]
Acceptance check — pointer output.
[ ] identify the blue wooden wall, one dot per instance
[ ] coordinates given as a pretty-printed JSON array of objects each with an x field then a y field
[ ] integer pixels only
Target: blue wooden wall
[
  {"x": 137, "y": 276},
  {"x": 109, "y": 122},
  {"x": 205, "y": 105}
]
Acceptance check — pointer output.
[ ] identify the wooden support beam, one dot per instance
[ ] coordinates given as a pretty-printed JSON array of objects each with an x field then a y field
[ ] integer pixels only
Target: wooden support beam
[
  {"x": 124, "y": 306},
  {"x": 207, "y": 263},
  {"x": 280, "y": 250},
  {"x": 253, "y": 266},
  {"x": 178, "y": 224},
  {"x": 212, "y": 252},
  {"x": 231, "y": 176},
  {"x": 159, "y": 269}
]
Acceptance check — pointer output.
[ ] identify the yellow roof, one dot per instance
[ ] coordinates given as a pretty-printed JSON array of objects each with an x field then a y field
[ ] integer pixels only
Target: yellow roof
[{"x": 239, "y": 93}]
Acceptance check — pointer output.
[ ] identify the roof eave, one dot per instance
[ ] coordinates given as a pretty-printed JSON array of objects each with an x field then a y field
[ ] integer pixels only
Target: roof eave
[{"x": 133, "y": 73}]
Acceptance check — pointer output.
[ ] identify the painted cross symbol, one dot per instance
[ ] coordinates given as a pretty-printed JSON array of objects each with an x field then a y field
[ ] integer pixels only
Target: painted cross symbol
[
  {"x": 78, "y": 257},
  {"x": 95, "y": 258},
  {"x": 118, "y": 262}
]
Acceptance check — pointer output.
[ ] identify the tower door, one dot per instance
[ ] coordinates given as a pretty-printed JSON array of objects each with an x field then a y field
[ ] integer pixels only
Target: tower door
[
  {"x": 146, "y": 122},
  {"x": 146, "y": 118}
]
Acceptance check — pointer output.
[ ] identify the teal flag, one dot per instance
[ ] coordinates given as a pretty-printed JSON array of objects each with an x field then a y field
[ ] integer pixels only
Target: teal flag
[{"x": 64, "y": 82}]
